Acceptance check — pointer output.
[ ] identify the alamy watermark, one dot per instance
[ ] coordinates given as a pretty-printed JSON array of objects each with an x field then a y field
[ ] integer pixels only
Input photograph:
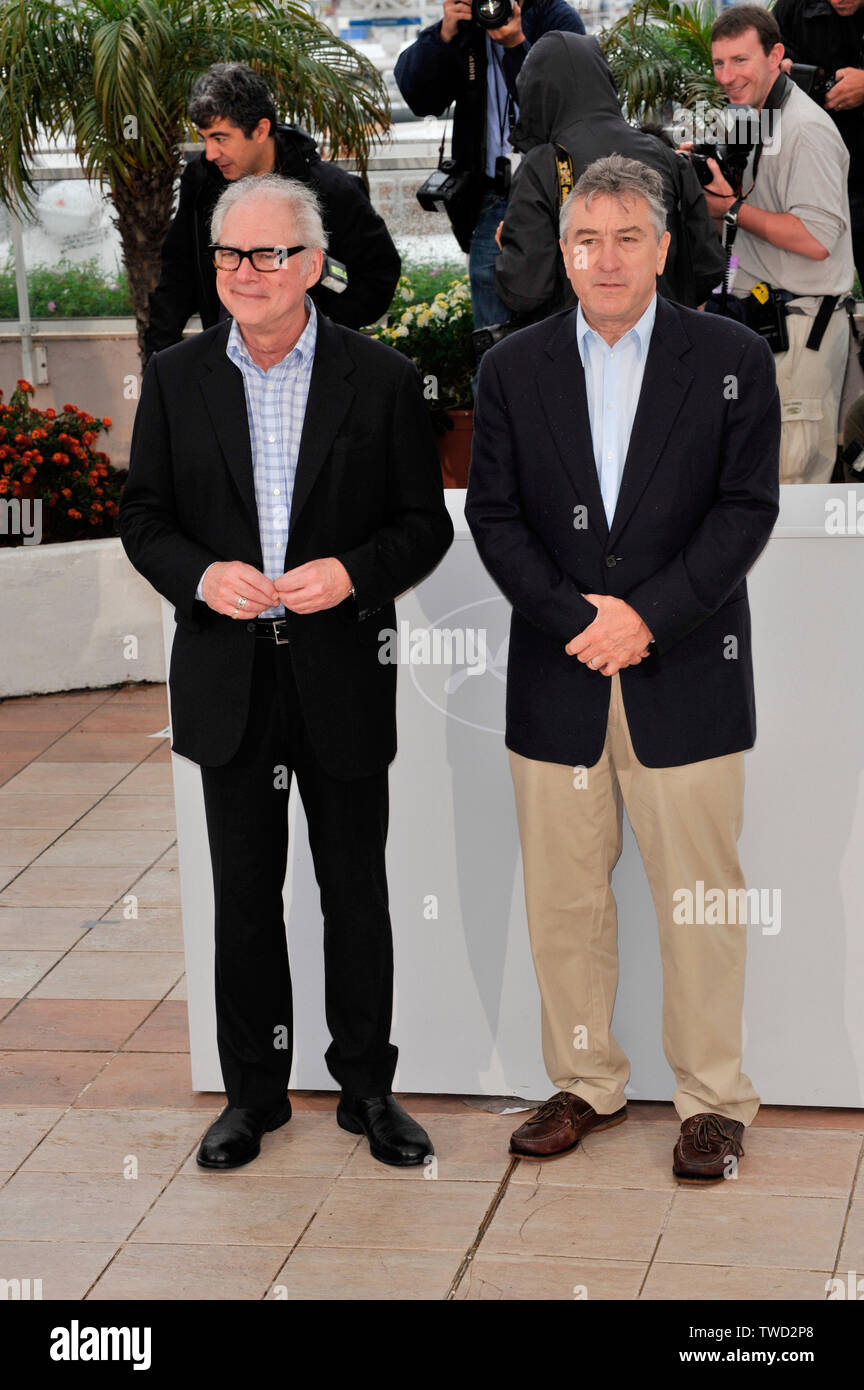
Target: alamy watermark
[
  {"x": 718, "y": 907},
  {"x": 21, "y": 517},
  {"x": 435, "y": 646}
]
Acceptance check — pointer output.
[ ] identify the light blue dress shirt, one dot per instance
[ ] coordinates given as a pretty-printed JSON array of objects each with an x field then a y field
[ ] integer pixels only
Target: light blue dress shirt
[
  {"x": 613, "y": 381},
  {"x": 276, "y": 408},
  {"x": 497, "y": 142}
]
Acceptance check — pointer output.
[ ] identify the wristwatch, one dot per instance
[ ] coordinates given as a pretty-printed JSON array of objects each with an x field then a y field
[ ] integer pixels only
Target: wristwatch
[{"x": 730, "y": 216}]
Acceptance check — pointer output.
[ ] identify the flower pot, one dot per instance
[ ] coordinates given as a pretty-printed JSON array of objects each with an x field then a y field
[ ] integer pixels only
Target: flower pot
[{"x": 454, "y": 448}]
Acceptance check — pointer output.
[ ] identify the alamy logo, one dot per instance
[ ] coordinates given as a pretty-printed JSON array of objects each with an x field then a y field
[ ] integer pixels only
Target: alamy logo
[
  {"x": 77, "y": 1343},
  {"x": 435, "y": 646},
  {"x": 18, "y": 1289},
  {"x": 718, "y": 907},
  {"x": 21, "y": 517}
]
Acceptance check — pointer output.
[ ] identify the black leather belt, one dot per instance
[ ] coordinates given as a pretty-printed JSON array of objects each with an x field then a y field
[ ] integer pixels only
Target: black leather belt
[{"x": 273, "y": 629}]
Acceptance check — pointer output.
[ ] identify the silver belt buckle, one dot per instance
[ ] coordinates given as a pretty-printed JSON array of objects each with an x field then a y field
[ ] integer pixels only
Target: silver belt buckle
[{"x": 280, "y": 641}]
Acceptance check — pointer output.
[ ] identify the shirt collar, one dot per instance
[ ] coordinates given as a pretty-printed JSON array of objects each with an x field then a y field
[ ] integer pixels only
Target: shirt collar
[
  {"x": 643, "y": 328},
  {"x": 238, "y": 352}
]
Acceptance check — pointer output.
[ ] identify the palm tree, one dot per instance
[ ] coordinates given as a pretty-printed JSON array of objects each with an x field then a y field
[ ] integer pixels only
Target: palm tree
[
  {"x": 660, "y": 55},
  {"x": 114, "y": 76}
]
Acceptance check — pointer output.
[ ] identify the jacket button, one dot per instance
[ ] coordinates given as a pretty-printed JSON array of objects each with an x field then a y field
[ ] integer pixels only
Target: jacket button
[
  {"x": 612, "y": 560},
  {"x": 250, "y": 627}
]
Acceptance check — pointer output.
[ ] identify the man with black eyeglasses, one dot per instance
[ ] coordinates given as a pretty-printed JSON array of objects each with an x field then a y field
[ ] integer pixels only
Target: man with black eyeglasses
[
  {"x": 284, "y": 487},
  {"x": 236, "y": 118}
]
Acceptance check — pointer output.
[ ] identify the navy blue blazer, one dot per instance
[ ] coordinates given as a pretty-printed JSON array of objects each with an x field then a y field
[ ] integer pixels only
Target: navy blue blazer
[{"x": 699, "y": 497}]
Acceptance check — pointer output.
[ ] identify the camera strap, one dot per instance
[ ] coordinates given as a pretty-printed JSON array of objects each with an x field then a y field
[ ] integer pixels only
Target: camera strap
[
  {"x": 444, "y": 136},
  {"x": 507, "y": 114},
  {"x": 821, "y": 321}
]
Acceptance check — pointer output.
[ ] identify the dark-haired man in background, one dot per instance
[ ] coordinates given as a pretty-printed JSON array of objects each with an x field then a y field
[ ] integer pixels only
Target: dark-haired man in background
[{"x": 236, "y": 118}]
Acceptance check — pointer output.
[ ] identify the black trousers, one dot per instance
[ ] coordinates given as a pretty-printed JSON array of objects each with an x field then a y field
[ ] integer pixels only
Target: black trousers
[{"x": 246, "y": 802}]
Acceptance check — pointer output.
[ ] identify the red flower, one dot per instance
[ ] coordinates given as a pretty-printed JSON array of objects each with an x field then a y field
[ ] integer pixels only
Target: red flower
[
  {"x": 107, "y": 421},
  {"x": 25, "y": 385},
  {"x": 59, "y": 458},
  {"x": 70, "y": 409},
  {"x": 39, "y": 433},
  {"x": 50, "y": 413},
  {"x": 73, "y": 513}
]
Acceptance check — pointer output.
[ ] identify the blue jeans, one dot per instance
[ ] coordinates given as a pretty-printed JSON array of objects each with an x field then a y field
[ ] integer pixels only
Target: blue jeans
[{"x": 487, "y": 307}]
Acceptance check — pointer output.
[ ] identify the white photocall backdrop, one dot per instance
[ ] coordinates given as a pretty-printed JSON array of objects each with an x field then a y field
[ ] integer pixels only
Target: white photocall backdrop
[{"x": 466, "y": 1004}]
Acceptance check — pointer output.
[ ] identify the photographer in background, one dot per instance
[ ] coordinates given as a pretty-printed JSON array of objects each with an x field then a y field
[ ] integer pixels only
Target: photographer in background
[
  {"x": 788, "y": 232},
  {"x": 462, "y": 59},
  {"x": 829, "y": 35},
  {"x": 570, "y": 115}
]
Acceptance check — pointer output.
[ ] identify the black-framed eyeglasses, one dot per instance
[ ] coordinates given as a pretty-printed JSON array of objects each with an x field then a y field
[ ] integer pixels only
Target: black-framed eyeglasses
[{"x": 263, "y": 258}]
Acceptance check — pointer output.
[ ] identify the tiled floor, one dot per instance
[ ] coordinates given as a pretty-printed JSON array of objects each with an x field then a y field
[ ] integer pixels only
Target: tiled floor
[{"x": 100, "y": 1196}]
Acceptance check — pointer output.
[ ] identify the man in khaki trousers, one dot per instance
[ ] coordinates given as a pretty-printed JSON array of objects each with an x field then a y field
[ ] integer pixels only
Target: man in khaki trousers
[{"x": 624, "y": 478}]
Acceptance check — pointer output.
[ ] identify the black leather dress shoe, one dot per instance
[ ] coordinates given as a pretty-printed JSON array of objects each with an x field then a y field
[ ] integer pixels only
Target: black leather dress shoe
[
  {"x": 393, "y": 1136},
  {"x": 235, "y": 1137}
]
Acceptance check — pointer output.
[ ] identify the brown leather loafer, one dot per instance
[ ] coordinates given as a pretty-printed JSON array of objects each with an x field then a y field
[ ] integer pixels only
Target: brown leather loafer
[
  {"x": 558, "y": 1125},
  {"x": 705, "y": 1146}
]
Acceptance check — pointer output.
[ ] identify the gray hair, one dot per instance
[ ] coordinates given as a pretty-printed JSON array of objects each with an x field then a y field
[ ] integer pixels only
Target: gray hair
[
  {"x": 617, "y": 177},
  {"x": 295, "y": 197}
]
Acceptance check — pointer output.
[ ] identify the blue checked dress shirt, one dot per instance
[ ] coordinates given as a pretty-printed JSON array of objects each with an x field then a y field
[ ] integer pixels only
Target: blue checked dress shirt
[
  {"x": 613, "y": 380},
  {"x": 276, "y": 408}
]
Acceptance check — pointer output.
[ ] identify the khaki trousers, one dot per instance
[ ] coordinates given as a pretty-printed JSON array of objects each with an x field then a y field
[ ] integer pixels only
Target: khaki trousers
[
  {"x": 686, "y": 821},
  {"x": 810, "y": 386}
]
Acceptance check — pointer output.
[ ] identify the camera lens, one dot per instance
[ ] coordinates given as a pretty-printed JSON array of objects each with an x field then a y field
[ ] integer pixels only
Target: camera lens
[{"x": 491, "y": 14}]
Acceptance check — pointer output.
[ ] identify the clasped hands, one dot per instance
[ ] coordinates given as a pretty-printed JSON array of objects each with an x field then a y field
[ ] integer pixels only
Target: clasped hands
[
  {"x": 306, "y": 589},
  {"x": 616, "y": 638}
]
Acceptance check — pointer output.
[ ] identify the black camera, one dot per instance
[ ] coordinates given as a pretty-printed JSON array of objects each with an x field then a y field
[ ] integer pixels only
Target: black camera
[
  {"x": 443, "y": 188},
  {"x": 491, "y": 14},
  {"x": 814, "y": 82},
  {"x": 482, "y": 339},
  {"x": 731, "y": 158},
  {"x": 743, "y": 134}
]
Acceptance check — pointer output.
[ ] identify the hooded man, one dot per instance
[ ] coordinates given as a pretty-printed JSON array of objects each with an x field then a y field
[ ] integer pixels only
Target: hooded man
[{"x": 569, "y": 115}]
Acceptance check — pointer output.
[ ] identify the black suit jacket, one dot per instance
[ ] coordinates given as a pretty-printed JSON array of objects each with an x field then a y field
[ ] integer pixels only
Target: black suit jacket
[
  {"x": 367, "y": 490},
  {"x": 699, "y": 496}
]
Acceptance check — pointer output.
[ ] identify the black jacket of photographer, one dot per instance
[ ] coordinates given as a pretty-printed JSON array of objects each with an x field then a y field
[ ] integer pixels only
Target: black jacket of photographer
[
  {"x": 568, "y": 98},
  {"x": 432, "y": 75},
  {"x": 357, "y": 236},
  {"x": 813, "y": 32}
]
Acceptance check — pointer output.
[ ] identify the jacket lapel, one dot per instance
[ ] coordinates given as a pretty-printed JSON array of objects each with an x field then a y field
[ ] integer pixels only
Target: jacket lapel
[
  {"x": 222, "y": 388},
  {"x": 330, "y": 395},
  {"x": 664, "y": 386},
  {"x": 561, "y": 389}
]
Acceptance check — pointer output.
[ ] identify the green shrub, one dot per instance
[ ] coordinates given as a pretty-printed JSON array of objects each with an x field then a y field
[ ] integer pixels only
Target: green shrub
[{"x": 63, "y": 290}]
